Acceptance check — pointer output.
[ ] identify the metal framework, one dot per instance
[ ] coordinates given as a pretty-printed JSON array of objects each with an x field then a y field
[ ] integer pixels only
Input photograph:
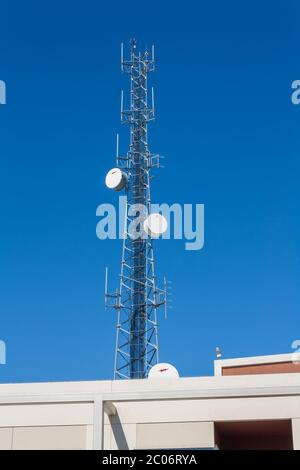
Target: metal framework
[{"x": 138, "y": 297}]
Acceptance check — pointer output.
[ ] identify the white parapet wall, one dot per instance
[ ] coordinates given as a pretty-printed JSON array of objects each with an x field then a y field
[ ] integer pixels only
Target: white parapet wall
[{"x": 169, "y": 413}]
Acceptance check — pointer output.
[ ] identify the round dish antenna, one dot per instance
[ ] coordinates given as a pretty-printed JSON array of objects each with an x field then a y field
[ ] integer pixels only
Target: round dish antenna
[
  {"x": 155, "y": 225},
  {"x": 163, "y": 371},
  {"x": 115, "y": 179}
]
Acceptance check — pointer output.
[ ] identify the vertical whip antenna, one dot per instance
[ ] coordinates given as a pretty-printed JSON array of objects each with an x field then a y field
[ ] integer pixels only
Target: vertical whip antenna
[
  {"x": 122, "y": 56},
  {"x": 117, "y": 149},
  {"x": 122, "y": 102},
  {"x": 153, "y": 103},
  {"x": 153, "y": 60}
]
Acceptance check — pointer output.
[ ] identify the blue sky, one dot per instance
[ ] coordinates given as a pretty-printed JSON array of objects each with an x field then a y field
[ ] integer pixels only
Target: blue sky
[{"x": 230, "y": 135}]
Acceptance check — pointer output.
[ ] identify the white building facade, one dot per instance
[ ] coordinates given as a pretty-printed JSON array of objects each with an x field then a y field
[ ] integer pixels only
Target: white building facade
[{"x": 246, "y": 404}]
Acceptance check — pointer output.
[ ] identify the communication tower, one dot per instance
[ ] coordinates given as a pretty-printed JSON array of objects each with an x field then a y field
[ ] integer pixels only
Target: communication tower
[{"x": 138, "y": 297}]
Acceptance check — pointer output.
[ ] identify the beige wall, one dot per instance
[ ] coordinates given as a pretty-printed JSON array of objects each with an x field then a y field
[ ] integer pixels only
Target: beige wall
[
  {"x": 175, "y": 435},
  {"x": 6, "y": 438},
  {"x": 296, "y": 433},
  {"x": 43, "y": 438}
]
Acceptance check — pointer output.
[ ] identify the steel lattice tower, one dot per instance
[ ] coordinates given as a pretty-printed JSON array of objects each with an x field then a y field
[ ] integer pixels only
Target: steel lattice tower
[{"x": 138, "y": 297}]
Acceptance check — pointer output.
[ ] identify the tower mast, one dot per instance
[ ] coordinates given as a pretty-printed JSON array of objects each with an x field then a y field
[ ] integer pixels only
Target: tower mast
[{"x": 138, "y": 297}]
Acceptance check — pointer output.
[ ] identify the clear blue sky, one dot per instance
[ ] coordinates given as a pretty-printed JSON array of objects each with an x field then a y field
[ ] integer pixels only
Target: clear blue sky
[{"x": 230, "y": 135}]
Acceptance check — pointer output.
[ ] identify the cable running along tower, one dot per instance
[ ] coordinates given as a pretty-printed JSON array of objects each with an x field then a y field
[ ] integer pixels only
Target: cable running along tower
[{"x": 138, "y": 298}]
